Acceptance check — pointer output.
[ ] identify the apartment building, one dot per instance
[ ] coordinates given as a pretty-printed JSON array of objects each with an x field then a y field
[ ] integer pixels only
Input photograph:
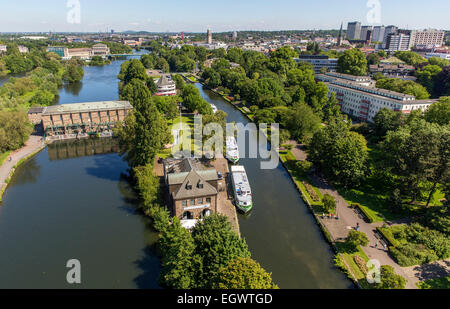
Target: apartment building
[
  {"x": 361, "y": 100},
  {"x": 321, "y": 63},
  {"x": 427, "y": 38},
  {"x": 354, "y": 30}
]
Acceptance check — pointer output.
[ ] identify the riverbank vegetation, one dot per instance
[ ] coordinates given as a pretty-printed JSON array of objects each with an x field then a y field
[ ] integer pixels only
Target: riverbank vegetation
[
  {"x": 44, "y": 73},
  {"x": 394, "y": 168},
  {"x": 213, "y": 255}
]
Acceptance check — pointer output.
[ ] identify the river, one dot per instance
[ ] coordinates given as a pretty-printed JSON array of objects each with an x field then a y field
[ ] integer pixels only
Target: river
[{"x": 70, "y": 202}]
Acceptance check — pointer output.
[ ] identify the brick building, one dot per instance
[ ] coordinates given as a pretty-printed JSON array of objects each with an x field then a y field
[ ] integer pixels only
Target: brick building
[{"x": 192, "y": 189}]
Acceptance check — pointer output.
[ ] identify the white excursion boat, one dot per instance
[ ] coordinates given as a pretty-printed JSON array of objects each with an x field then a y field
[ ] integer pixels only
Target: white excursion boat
[
  {"x": 232, "y": 150},
  {"x": 241, "y": 189},
  {"x": 214, "y": 108}
]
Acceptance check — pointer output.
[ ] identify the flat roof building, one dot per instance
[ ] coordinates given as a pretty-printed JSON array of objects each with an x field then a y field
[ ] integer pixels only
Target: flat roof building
[
  {"x": 80, "y": 119},
  {"x": 359, "y": 99}
]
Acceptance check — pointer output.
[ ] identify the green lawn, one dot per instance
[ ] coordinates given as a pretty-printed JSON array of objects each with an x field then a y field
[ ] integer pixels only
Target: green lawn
[
  {"x": 435, "y": 284},
  {"x": 4, "y": 156},
  {"x": 348, "y": 254},
  {"x": 288, "y": 158}
]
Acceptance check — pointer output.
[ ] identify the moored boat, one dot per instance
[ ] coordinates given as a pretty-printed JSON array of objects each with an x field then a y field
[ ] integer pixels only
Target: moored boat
[
  {"x": 241, "y": 189},
  {"x": 232, "y": 153}
]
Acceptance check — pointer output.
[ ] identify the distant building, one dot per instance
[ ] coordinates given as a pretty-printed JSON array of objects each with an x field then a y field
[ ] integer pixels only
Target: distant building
[
  {"x": 398, "y": 41},
  {"x": 3, "y": 48},
  {"x": 389, "y": 29},
  {"x": 354, "y": 30},
  {"x": 165, "y": 87},
  {"x": 391, "y": 70},
  {"x": 366, "y": 33},
  {"x": 427, "y": 38},
  {"x": 340, "y": 36},
  {"x": 62, "y": 51},
  {"x": 378, "y": 34},
  {"x": 235, "y": 35},
  {"x": 101, "y": 50},
  {"x": 192, "y": 190},
  {"x": 209, "y": 37},
  {"x": 82, "y": 53},
  {"x": 133, "y": 43},
  {"x": 321, "y": 63},
  {"x": 23, "y": 49},
  {"x": 438, "y": 55},
  {"x": 360, "y": 99}
]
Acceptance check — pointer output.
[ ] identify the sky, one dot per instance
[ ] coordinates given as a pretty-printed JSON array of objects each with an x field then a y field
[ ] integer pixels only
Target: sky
[{"x": 218, "y": 15}]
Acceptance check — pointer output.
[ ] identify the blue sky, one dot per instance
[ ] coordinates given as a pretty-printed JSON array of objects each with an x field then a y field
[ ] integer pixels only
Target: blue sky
[{"x": 223, "y": 15}]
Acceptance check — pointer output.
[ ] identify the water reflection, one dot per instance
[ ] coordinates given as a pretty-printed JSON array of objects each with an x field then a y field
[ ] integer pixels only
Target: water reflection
[
  {"x": 62, "y": 150},
  {"x": 28, "y": 174},
  {"x": 74, "y": 88}
]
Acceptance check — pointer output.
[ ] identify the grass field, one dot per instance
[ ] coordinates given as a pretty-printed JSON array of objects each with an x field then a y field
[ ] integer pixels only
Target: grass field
[{"x": 4, "y": 156}]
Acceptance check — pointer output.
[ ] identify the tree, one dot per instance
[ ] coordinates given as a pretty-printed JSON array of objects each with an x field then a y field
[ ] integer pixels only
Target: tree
[
  {"x": 390, "y": 280},
  {"x": 339, "y": 153},
  {"x": 439, "y": 62},
  {"x": 404, "y": 86},
  {"x": 439, "y": 112},
  {"x": 410, "y": 57},
  {"x": 302, "y": 122},
  {"x": 73, "y": 73},
  {"x": 386, "y": 120},
  {"x": 427, "y": 75},
  {"x": 217, "y": 244},
  {"x": 442, "y": 83},
  {"x": 352, "y": 62},
  {"x": 147, "y": 184},
  {"x": 357, "y": 238},
  {"x": 179, "y": 263},
  {"x": 373, "y": 59},
  {"x": 133, "y": 69},
  {"x": 148, "y": 132},
  {"x": 243, "y": 273},
  {"x": 329, "y": 203},
  {"x": 332, "y": 109},
  {"x": 15, "y": 129},
  {"x": 417, "y": 154}
]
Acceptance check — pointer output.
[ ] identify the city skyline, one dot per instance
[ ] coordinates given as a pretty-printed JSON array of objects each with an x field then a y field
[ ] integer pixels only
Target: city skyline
[{"x": 178, "y": 16}]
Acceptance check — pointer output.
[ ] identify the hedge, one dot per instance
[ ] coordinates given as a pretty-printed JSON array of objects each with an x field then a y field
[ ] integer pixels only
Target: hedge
[{"x": 367, "y": 214}]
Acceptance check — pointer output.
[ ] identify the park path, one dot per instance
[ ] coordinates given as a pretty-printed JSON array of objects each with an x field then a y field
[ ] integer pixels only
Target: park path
[
  {"x": 33, "y": 144},
  {"x": 349, "y": 219}
]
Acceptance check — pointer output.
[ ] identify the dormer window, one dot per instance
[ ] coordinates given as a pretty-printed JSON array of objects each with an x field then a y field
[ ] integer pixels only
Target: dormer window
[
  {"x": 200, "y": 185},
  {"x": 188, "y": 186}
]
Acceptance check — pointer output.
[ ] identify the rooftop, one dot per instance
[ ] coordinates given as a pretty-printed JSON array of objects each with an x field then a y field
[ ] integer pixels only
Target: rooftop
[{"x": 86, "y": 107}]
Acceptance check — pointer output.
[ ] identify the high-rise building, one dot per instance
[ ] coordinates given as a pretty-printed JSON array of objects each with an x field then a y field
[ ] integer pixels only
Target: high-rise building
[
  {"x": 235, "y": 35},
  {"x": 209, "y": 37},
  {"x": 378, "y": 33},
  {"x": 364, "y": 33},
  {"x": 388, "y": 30},
  {"x": 398, "y": 41},
  {"x": 354, "y": 30},
  {"x": 428, "y": 38}
]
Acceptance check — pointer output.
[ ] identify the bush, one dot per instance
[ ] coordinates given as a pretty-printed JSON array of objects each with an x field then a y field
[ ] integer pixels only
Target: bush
[
  {"x": 366, "y": 214},
  {"x": 329, "y": 203},
  {"x": 356, "y": 238}
]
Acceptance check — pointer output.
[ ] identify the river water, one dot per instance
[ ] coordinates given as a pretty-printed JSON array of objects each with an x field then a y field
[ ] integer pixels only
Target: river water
[{"x": 70, "y": 202}]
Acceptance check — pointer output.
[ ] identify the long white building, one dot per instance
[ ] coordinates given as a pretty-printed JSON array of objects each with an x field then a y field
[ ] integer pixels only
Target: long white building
[{"x": 360, "y": 99}]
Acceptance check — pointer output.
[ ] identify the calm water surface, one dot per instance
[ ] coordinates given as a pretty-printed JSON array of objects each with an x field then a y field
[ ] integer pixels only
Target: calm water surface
[{"x": 70, "y": 202}]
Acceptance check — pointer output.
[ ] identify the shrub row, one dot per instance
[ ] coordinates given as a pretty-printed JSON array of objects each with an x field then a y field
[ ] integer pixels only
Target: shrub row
[{"x": 366, "y": 214}]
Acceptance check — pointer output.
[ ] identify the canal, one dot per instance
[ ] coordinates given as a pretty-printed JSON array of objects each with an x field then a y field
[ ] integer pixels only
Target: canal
[{"x": 71, "y": 202}]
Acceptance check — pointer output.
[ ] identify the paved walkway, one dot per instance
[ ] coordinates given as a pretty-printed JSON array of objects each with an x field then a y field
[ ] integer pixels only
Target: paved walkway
[
  {"x": 348, "y": 219},
  {"x": 33, "y": 144}
]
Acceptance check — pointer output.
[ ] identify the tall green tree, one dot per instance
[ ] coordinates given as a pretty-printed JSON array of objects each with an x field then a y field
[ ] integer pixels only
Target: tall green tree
[
  {"x": 244, "y": 273},
  {"x": 352, "y": 62},
  {"x": 217, "y": 244}
]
